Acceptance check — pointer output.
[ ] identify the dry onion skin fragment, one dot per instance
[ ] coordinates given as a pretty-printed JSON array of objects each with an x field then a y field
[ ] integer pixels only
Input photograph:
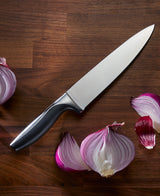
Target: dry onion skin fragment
[{"x": 7, "y": 81}]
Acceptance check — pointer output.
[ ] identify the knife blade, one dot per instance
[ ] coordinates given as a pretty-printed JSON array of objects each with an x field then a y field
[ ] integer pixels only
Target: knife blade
[{"x": 83, "y": 92}]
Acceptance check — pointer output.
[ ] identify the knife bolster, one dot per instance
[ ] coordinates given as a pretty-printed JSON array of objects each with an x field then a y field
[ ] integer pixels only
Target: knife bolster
[{"x": 67, "y": 100}]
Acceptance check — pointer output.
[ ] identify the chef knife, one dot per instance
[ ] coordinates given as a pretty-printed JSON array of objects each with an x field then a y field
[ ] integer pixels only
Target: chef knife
[{"x": 86, "y": 89}]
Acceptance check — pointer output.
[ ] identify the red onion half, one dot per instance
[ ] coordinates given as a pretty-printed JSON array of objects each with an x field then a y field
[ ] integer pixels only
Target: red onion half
[
  {"x": 106, "y": 151},
  {"x": 7, "y": 81}
]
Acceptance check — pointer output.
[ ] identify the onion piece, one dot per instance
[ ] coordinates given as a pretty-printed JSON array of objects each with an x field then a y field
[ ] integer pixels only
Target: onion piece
[
  {"x": 106, "y": 151},
  {"x": 148, "y": 104},
  {"x": 145, "y": 132},
  {"x": 68, "y": 155},
  {"x": 7, "y": 81}
]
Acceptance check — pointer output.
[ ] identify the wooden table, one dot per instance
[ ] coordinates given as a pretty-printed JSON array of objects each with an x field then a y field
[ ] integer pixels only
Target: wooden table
[{"x": 50, "y": 44}]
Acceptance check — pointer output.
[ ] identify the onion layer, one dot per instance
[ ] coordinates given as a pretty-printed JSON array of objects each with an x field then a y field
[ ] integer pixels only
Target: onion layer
[
  {"x": 145, "y": 132},
  {"x": 7, "y": 81},
  {"x": 148, "y": 104},
  {"x": 68, "y": 155}
]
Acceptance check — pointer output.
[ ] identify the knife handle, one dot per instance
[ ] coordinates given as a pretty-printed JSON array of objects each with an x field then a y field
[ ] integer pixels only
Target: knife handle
[{"x": 38, "y": 127}]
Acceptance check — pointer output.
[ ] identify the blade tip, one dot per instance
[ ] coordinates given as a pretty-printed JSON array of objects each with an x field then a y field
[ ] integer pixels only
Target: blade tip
[
  {"x": 149, "y": 30},
  {"x": 152, "y": 27}
]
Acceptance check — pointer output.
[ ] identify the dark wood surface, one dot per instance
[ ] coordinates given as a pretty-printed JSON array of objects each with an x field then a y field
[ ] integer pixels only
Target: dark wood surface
[{"x": 50, "y": 44}]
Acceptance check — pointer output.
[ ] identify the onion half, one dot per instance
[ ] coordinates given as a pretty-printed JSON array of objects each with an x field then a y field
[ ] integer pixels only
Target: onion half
[
  {"x": 7, "y": 81},
  {"x": 106, "y": 151}
]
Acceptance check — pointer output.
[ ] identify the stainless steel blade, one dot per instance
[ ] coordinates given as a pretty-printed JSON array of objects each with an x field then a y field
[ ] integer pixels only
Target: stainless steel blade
[{"x": 105, "y": 72}]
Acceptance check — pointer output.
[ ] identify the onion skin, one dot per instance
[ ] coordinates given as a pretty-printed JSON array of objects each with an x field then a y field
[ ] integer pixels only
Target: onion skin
[
  {"x": 7, "y": 81},
  {"x": 145, "y": 132},
  {"x": 148, "y": 104}
]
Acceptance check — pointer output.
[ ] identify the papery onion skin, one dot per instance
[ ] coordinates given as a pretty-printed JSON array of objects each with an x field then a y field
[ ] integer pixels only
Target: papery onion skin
[
  {"x": 107, "y": 152},
  {"x": 145, "y": 132},
  {"x": 68, "y": 156},
  {"x": 148, "y": 104},
  {"x": 7, "y": 81}
]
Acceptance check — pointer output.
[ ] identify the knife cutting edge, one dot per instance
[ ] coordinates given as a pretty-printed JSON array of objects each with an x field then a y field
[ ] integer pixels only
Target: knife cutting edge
[{"x": 86, "y": 89}]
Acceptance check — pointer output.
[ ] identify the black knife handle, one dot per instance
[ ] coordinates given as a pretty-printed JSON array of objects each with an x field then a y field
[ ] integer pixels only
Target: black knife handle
[{"x": 38, "y": 127}]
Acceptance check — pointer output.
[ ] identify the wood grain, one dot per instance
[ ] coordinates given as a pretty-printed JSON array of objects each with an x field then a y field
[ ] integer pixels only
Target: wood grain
[{"x": 50, "y": 44}]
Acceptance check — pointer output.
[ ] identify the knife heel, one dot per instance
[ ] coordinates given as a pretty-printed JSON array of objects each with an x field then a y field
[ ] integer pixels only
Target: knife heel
[{"x": 38, "y": 127}]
